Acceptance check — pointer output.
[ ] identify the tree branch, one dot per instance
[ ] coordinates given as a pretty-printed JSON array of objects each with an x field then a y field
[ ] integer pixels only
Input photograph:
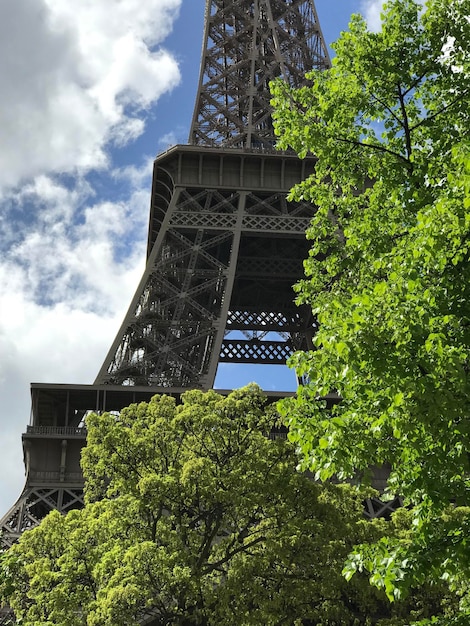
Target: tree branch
[
  {"x": 207, "y": 543},
  {"x": 227, "y": 557},
  {"x": 442, "y": 110},
  {"x": 415, "y": 83},
  {"x": 378, "y": 147},
  {"x": 406, "y": 126},
  {"x": 387, "y": 108}
]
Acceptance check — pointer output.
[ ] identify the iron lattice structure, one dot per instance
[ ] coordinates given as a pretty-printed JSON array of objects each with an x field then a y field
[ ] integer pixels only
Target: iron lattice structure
[
  {"x": 246, "y": 45},
  {"x": 225, "y": 247}
]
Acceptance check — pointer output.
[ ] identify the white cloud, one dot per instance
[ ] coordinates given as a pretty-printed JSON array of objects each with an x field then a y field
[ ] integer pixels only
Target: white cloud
[
  {"x": 371, "y": 10},
  {"x": 179, "y": 135},
  {"x": 64, "y": 288},
  {"x": 75, "y": 76},
  {"x": 42, "y": 344},
  {"x": 133, "y": 175},
  {"x": 78, "y": 79}
]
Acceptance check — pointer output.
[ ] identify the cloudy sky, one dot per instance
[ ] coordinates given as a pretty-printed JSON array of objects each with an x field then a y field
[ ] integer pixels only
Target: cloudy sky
[{"x": 91, "y": 91}]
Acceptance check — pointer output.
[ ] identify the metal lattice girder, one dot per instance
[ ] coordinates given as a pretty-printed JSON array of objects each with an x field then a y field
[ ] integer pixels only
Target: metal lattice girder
[
  {"x": 34, "y": 504},
  {"x": 255, "y": 351},
  {"x": 224, "y": 248},
  {"x": 248, "y": 43},
  {"x": 375, "y": 507},
  {"x": 265, "y": 321},
  {"x": 209, "y": 180},
  {"x": 223, "y": 239}
]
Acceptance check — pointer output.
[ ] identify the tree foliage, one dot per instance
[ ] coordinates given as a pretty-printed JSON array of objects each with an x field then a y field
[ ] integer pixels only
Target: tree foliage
[
  {"x": 194, "y": 516},
  {"x": 388, "y": 276}
]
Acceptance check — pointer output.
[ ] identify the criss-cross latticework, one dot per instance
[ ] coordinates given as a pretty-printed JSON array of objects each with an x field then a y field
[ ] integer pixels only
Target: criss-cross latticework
[
  {"x": 246, "y": 45},
  {"x": 225, "y": 247}
]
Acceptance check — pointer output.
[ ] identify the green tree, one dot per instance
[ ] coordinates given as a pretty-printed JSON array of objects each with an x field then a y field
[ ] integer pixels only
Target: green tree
[
  {"x": 194, "y": 516},
  {"x": 388, "y": 276}
]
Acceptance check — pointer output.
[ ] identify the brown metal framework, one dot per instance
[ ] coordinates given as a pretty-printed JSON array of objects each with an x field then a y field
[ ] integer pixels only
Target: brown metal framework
[
  {"x": 246, "y": 44},
  {"x": 218, "y": 282},
  {"x": 225, "y": 247}
]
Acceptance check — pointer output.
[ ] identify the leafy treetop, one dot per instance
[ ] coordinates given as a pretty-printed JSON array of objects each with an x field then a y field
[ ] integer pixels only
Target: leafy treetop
[
  {"x": 388, "y": 274},
  {"x": 194, "y": 516}
]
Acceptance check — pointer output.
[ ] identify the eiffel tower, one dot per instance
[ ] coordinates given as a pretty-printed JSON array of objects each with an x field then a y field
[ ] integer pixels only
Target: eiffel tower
[{"x": 224, "y": 249}]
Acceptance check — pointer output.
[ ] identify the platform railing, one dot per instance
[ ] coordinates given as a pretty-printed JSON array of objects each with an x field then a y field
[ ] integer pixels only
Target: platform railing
[{"x": 66, "y": 431}]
